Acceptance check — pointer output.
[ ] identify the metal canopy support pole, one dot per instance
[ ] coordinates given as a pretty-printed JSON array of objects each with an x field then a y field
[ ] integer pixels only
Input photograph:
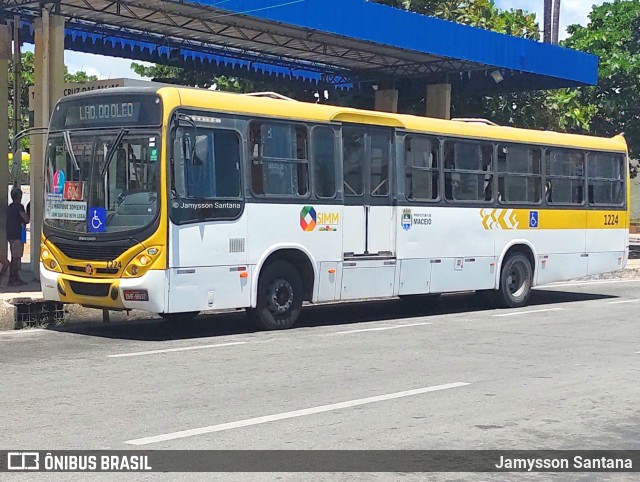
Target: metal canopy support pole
[
  {"x": 5, "y": 55},
  {"x": 439, "y": 101},
  {"x": 49, "y": 85},
  {"x": 17, "y": 67},
  {"x": 5, "y": 41}
]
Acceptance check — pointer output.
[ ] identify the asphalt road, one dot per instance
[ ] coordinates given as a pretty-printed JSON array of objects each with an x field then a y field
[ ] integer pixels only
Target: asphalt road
[{"x": 562, "y": 373}]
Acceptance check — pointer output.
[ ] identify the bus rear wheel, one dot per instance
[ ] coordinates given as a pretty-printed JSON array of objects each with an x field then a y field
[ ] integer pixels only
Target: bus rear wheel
[
  {"x": 516, "y": 279},
  {"x": 180, "y": 317},
  {"x": 280, "y": 293}
]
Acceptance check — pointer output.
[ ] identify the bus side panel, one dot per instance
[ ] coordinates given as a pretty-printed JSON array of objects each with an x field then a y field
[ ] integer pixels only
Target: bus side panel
[
  {"x": 318, "y": 227},
  {"x": 559, "y": 239},
  {"x": 458, "y": 250},
  {"x": 607, "y": 233},
  {"x": 206, "y": 266}
]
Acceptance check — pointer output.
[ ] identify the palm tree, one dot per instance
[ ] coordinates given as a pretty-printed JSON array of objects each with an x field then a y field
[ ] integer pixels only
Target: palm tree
[
  {"x": 556, "y": 22},
  {"x": 547, "y": 21}
]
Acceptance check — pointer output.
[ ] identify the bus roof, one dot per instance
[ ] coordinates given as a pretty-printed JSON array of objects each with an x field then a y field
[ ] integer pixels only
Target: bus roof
[{"x": 268, "y": 106}]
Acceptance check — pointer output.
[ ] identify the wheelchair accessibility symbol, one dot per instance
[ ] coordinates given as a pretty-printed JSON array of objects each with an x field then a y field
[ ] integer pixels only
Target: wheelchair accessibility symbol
[
  {"x": 97, "y": 222},
  {"x": 533, "y": 219}
]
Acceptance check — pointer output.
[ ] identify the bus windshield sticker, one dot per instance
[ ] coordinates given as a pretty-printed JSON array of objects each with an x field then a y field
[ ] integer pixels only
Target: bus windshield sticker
[
  {"x": 67, "y": 210},
  {"x": 58, "y": 181},
  {"x": 73, "y": 190},
  {"x": 97, "y": 223}
]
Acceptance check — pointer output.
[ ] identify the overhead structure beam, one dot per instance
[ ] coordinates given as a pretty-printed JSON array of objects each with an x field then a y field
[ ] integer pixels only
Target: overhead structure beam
[{"x": 318, "y": 39}]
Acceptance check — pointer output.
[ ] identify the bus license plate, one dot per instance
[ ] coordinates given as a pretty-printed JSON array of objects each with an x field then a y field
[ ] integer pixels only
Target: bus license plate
[{"x": 136, "y": 295}]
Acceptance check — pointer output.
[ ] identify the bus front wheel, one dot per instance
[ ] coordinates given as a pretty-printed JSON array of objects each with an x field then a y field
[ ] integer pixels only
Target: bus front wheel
[
  {"x": 516, "y": 279},
  {"x": 280, "y": 293}
]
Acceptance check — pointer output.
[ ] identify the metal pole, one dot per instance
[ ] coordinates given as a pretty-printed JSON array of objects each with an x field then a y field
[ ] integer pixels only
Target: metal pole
[{"x": 17, "y": 67}]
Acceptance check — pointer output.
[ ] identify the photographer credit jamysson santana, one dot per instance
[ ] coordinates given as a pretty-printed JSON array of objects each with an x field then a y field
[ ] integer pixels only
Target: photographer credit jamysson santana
[{"x": 576, "y": 463}]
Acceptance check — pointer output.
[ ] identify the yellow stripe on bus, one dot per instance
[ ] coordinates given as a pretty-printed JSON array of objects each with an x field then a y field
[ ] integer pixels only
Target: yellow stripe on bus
[{"x": 517, "y": 219}]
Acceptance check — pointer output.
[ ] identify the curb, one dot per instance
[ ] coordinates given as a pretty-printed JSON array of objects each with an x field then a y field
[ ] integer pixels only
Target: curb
[{"x": 68, "y": 315}]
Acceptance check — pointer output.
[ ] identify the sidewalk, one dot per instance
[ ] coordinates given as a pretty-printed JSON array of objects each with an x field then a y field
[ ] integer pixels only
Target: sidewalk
[{"x": 30, "y": 294}]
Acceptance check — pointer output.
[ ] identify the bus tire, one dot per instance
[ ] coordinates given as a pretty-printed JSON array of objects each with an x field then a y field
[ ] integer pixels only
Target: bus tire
[
  {"x": 280, "y": 293},
  {"x": 516, "y": 279},
  {"x": 180, "y": 317}
]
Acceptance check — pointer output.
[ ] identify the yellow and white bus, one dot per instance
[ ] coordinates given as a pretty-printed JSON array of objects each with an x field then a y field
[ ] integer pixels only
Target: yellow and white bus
[{"x": 177, "y": 201}]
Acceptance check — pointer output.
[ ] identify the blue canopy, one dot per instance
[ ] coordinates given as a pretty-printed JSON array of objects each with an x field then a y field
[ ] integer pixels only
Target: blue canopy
[{"x": 328, "y": 42}]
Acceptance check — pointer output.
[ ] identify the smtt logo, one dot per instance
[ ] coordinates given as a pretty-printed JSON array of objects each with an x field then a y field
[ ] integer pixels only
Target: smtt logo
[
  {"x": 23, "y": 461},
  {"x": 308, "y": 218}
]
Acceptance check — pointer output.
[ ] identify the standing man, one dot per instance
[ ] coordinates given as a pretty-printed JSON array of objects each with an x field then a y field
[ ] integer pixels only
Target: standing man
[{"x": 17, "y": 218}]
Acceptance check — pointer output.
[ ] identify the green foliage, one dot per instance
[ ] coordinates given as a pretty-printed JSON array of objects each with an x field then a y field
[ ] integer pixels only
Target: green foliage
[
  {"x": 613, "y": 106},
  {"x": 477, "y": 13},
  {"x": 26, "y": 81}
]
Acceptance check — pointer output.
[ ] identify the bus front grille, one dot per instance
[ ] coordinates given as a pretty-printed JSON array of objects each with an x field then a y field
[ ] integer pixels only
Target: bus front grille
[
  {"x": 90, "y": 289},
  {"x": 91, "y": 252},
  {"x": 82, "y": 269}
]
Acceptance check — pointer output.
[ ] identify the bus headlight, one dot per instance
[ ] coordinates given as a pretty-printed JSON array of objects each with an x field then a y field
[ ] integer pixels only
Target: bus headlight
[
  {"x": 49, "y": 261},
  {"x": 141, "y": 263}
]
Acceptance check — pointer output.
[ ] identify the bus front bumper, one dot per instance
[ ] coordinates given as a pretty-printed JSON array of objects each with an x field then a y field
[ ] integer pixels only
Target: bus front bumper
[{"x": 144, "y": 293}]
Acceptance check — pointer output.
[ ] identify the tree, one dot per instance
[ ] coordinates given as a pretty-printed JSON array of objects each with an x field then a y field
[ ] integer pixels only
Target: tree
[
  {"x": 476, "y": 13},
  {"x": 26, "y": 81},
  {"x": 613, "y": 106}
]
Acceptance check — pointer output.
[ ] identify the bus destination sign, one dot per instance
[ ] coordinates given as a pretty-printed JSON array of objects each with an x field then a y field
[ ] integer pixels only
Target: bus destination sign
[{"x": 107, "y": 111}]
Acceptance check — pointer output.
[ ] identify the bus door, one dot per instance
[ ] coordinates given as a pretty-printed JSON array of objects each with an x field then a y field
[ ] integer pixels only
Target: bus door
[{"x": 369, "y": 225}]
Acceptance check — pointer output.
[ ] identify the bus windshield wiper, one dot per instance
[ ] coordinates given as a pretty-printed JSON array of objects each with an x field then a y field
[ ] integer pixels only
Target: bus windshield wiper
[
  {"x": 112, "y": 150},
  {"x": 67, "y": 142}
]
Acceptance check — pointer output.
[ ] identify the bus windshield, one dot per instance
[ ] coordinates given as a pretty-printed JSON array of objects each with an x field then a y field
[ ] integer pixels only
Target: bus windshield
[{"x": 102, "y": 181}]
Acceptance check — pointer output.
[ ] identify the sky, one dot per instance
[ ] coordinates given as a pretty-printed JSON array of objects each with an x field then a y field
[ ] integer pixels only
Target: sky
[{"x": 571, "y": 11}]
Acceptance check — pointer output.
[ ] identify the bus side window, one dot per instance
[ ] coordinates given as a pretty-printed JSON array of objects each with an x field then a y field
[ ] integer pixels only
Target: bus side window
[
  {"x": 468, "y": 171},
  {"x": 353, "y": 161},
  {"x": 421, "y": 167},
  {"x": 519, "y": 173},
  {"x": 380, "y": 159},
  {"x": 323, "y": 157},
  {"x": 606, "y": 173},
  {"x": 279, "y": 159},
  {"x": 214, "y": 170},
  {"x": 565, "y": 173}
]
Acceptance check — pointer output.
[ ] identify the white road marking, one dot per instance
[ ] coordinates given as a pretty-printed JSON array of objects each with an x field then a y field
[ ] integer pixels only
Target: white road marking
[
  {"x": 286, "y": 415},
  {"x": 381, "y": 328},
  {"x": 171, "y": 350},
  {"x": 516, "y": 313},
  {"x": 586, "y": 283},
  {"x": 624, "y": 301}
]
